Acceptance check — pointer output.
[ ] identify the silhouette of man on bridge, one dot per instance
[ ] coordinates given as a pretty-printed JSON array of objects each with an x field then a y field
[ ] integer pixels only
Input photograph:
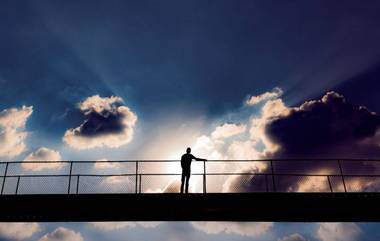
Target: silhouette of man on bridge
[{"x": 186, "y": 168}]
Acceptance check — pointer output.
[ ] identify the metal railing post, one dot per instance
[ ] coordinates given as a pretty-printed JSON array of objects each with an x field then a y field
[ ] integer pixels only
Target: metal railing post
[
  {"x": 204, "y": 177},
  {"x": 272, "y": 169},
  {"x": 341, "y": 174},
  {"x": 140, "y": 183},
  {"x": 18, "y": 183},
  {"x": 328, "y": 179},
  {"x": 5, "y": 176},
  {"x": 77, "y": 192},
  {"x": 137, "y": 172},
  {"x": 71, "y": 170}
]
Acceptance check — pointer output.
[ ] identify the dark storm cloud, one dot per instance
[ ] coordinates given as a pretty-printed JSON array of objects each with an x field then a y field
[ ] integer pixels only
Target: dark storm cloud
[
  {"x": 327, "y": 128},
  {"x": 101, "y": 123},
  {"x": 108, "y": 123},
  {"x": 330, "y": 127}
]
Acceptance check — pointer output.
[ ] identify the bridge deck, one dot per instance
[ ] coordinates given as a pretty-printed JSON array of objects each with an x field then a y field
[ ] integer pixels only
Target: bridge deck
[{"x": 282, "y": 207}]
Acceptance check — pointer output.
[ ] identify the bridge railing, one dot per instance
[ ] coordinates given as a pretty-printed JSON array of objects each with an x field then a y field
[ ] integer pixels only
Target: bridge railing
[{"x": 285, "y": 175}]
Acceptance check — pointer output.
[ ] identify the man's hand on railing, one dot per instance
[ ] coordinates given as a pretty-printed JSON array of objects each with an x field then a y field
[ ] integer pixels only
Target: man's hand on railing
[{"x": 201, "y": 159}]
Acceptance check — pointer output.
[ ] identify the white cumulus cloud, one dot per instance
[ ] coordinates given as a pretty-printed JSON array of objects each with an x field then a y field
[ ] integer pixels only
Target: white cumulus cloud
[
  {"x": 42, "y": 154},
  {"x": 293, "y": 237},
  {"x": 110, "y": 226},
  {"x": 274, "y": 94},
  {"x": 12, "y": 135},
  {"x": 15, "y": 118},
  {"x": 99, "y": 104},
  {"x": 173, "y": 186},
  {"x": 338, "y": 231},
  {"x": 62, "y": 234},
  {"x": 105, "y": 164},
  {"x": 18, "y": 231},
  {"x": 271, "y": 109},
  {"x": 228, "y": 130},
  {"x": 240, "y": 228}
]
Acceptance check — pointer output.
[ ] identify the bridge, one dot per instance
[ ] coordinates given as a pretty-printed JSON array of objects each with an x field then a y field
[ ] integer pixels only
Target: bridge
[{"x": 310, "y": 190}]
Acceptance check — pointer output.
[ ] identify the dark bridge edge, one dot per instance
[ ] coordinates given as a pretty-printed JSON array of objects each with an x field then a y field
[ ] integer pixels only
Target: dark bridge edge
[{"x": 277, "y": 207}]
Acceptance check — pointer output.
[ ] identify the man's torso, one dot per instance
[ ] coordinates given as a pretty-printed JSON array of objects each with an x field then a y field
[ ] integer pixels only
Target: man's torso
[{"x": 186, "y": 161}]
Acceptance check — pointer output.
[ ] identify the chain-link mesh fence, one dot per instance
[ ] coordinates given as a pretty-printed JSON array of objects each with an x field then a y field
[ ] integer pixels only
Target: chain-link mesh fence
[
  {"x": 238, "y": 183},
  {"x": 67, "y": 177},
  {"x": 106, "y": 184},
  {"x": 42, "y": 184}
]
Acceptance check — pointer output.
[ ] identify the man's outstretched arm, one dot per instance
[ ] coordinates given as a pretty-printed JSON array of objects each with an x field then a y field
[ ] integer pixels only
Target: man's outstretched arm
[{"x": 200, "y": 159}]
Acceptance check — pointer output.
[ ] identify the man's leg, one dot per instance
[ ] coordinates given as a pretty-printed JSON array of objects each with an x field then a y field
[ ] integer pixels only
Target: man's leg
[
  {"x": 187, "y": 183},
  {"x": 182, "y": 181}
]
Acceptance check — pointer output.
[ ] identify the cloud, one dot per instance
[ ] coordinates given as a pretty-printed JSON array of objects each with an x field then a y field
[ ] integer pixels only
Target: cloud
[
  {"x": 293, "y": 237},
  {"x": 228, "y": 130},
  {"x": 338, "y": 231},
  {"x": 42, "y": 154},
  {"x": 208, "y": 147},
  {"x": 107, "y": 124},
  {"x": 245, "y": 183},
  {"x": 242, "y": 150},
  {"x": 18, "y": 231},
  {"x": 173, "y": 186},
  {"x": 99, "y": 104},
  {"x": 310, "y": 184},
  {"x": 15, "y": 118},
  {"x": 240, "y": 228},
  {"x": 226, "y": 142},
  {"x": 110, "y": 226},
  {"x": 271, "y": 109},
  {"x": 234, "y": 148},
  {"x": 113, "y": 184},
  {"x": 116, "y": 180},
  {"x": 104, "y": 164},
  {"x": 274, "y": 94},
  {"x": 326, "y": 128},
  {"x": 12, "y": 136},
  {"x": 215, "y": 147},
  {"x": 62, "y": 234},
  {"x": 329, "y": 127},
  {"x": 370, "y": 186},
  {"x": 12, "y": 142}
]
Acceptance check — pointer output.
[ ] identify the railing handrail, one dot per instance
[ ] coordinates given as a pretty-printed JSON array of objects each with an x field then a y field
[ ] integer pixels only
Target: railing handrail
[
  {"x": 193, "y": 174},
  {"x": 165, "y": 161}
]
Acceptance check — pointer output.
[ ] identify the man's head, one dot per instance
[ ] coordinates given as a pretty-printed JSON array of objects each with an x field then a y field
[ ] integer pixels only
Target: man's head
[{"x": 188, "y": 150}]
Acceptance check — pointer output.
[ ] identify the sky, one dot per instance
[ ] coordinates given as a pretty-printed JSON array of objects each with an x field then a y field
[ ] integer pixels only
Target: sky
[{"x": 125, "y": 80}]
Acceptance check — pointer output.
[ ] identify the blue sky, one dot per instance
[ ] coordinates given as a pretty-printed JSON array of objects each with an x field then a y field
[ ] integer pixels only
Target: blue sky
[{"x": 145, "y": 79}]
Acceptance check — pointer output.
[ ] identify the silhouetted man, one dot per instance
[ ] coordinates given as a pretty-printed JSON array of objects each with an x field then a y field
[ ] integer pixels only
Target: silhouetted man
[{"x": 186, "y": 167}]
